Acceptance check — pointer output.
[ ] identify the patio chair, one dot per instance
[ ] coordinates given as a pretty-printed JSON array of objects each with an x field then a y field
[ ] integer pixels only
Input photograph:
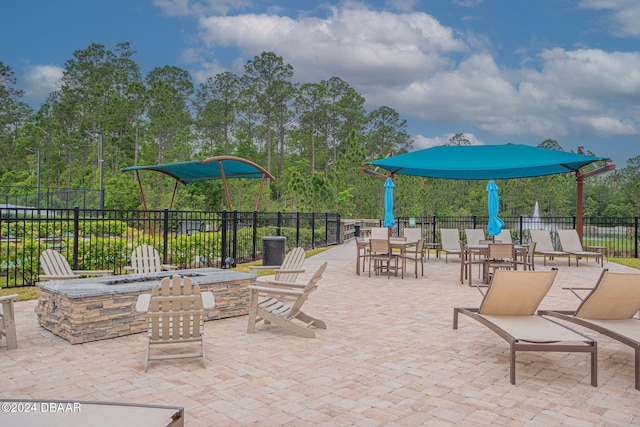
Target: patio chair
[
  {"x": 56, "y": 267},
  {"x": 266, "y": 305},
  {"x": 474, "y": 235},
  {"x": 504, "y": 236},
  {"x": 417, "y": 254},
  {"x": 544, "y": 246},
  {"x": 379, "y": 233},
  {"x": 450, "y": 238},
  {"x": 146, "y": 259},
  {"x": 289, "y": 269},
  {"x": 570, "y": 243},
  {"x": 381, "y": 256},
  {"x": 525, "y": 256},
  {"x": 413, "y": 234},
  {"x": 362, "y": 247},
  {"x": 609, "y": 309},
  {"x": 175, "y": 315},
  {"x": 499, "y": 256},
  {"x": 467, "y": 261},
  {"x": 508, "y": 309},
  {"x": 8, "y": 321}
]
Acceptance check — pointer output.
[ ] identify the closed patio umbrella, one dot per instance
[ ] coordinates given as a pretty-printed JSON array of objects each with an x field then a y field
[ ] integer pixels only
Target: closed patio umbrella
[
  {"x": 389, "y": 220},
  {"x": 495, "y": 223}
]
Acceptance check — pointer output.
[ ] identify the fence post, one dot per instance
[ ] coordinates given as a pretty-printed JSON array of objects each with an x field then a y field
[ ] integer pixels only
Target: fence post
[
  {"x": 635, "y": 233},
  {"x": 255, "y": 234},
  {"x": 520, "y": 231},
  {"x": 76, "y": 235},
  {"x": 165, "y": 235},
  {"x": 298, "y": 229},
  {"x": 234, "y": 248},
  {"x": 313, "y": 230},
  {"x": 223, "y": 242},
  {"x": 433, "y": 227},
  {"x": 326, "y": 228},
  {"x": 338, "y": 235},
  {"x": 475, "y": 221},
  {"x": 279, "y": 224}
]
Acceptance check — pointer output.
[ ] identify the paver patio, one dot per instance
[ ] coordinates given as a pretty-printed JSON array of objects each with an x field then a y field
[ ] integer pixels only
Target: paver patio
[{"x": 389, "y": 356}]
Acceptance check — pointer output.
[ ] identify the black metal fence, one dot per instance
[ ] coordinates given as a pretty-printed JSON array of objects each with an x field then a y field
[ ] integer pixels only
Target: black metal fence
[
  {"x": 50, "y": 198},
  {"x": 620, "y": 236},
  {"x": 104, "y": 240}
]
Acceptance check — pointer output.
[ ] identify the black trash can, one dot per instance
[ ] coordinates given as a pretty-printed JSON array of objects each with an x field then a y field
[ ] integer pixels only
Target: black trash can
[
  {"x": 273, "y": 250},
  {"x": 356, "y": 233}
]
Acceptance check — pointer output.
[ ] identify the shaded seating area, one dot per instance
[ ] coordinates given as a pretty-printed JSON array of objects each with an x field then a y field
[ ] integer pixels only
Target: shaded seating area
[
  {"x": 509, "y": 309},
  {"x": 267, "y": 305},
  {"x": 175, "y": 312},
  {"x": 544, "y": 246},
  {"x": 570, "y": 243},
  {"x": 609, "y": 309},
  {"x": 146, "y": 259},
  {"x": 56, "y": 267}
]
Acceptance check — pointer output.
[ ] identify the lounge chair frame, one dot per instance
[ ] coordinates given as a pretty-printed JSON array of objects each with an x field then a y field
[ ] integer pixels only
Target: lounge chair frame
[
  {"x": 579, "y": 343},
  {"x": 8, "y": 321},
  {"x": 570, "y": 243},
  {"x": 544, "y": 246},
  {"x": 606, "y": 326}
]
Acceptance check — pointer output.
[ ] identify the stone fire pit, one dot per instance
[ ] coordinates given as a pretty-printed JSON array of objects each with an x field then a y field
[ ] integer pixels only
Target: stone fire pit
[{"x": 98, "y": 308}]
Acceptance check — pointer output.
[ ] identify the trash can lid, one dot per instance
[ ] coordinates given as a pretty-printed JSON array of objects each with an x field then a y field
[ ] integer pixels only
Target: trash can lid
[{"x": 274, "y": 238}]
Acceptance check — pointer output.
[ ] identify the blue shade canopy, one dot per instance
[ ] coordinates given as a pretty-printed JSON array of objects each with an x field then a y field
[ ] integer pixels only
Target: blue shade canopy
[
  {"x": 219, "y": 167},
  {"x": 495, "y": 224},
  {"x": 389, "y": 220},
  {"x": 484, "y": 162}
]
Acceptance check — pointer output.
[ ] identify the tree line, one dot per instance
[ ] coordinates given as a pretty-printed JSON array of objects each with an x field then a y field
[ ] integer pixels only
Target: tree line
[{"x": 312, "y": 137}]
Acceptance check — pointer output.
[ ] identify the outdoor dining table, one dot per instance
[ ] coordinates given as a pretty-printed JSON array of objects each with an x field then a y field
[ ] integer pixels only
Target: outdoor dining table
[
  {"x": 394, "y": 243},
  {"x": 482, "y": 250}
]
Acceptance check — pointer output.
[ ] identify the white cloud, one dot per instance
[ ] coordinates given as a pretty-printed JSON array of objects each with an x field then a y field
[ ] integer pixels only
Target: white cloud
[
  {"x": 625, "y": 14},
  {"x": 41, "y": 80},
  {"x": 422, "y": 142},
  {"x": 188, "y": 7},
  {"x": 412, "y": 63}
]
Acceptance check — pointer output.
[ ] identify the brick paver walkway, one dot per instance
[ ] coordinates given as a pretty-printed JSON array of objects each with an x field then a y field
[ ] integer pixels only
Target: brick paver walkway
[{"x": 388, "y": 357}]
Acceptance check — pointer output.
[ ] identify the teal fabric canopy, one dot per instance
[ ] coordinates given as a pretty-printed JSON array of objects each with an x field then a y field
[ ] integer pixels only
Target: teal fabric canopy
[
  {"x": 211, "y": 168},
  {"x": 484, "y": 162},
  {"x": 219, "y": 167}
]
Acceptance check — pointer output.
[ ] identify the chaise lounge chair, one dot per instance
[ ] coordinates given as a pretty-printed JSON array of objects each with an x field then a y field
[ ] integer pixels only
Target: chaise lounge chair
[
  {"x": 609, "y": 309},
  {"x": 508, "y": 309},
  {"x": 570, "y": 243},
  {"x": 450, "y": 238},
  {"x": 266, "y": 305},
  {"x": 544, "y": 246},
  {"x": 56, "y": 267},
  {"x": 8, "y": 321}
]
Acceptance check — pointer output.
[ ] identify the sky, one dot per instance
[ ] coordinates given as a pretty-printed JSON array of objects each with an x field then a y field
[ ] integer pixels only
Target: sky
[{"x": 497, "y": 71}]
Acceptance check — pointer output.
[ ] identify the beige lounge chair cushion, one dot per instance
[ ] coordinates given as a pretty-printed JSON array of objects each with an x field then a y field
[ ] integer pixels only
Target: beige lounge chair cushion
[
  {"x": 508, "y": 297},
  {"x": 615, "y": 297},
  {"x": 534, "y": 329}
]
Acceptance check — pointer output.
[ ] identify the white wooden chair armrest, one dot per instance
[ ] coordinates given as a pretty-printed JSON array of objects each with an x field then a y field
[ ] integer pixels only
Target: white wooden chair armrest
[
  {"x": 169, "y": 267},
  {"x": 253, "y": 269},
  {"x": 289, "y": 271},
  {"x": 94, "y": 272},
  {"x": 142, "y": 305},
  {"x": 279, "y": 283},
  {"x": 208, "y": 301},
  {"x": 275, "y": 291},
  {"x": 48, "y": 277},
  {"x": 8, "y": 297}
]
